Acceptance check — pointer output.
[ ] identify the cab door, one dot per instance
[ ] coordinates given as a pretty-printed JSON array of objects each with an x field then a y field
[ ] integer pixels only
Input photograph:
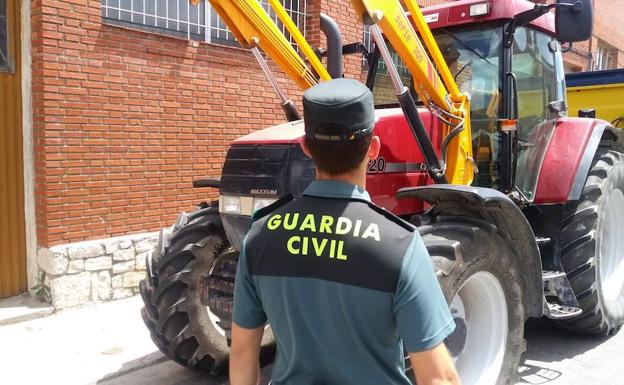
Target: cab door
[{"x": 12, "y": 228}]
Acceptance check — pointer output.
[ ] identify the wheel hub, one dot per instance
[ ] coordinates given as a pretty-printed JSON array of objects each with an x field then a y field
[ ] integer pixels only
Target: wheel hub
[
  {"x": 478, "y": 343},
  {"x": 611, "y": 255},
  {"x": 456, "y": 342}
]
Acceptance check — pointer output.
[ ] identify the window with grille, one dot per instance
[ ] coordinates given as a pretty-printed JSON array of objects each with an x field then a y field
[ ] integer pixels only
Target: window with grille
[
  {"x": 606, "y": 57},
  {"x": 4, "y": 38},
  {"x": 182, "y": 19},
  {"x": 369, "y": 43}
]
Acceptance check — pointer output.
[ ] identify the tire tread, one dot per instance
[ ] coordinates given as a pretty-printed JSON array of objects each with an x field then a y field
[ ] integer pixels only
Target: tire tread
[
  {"x": 579, "y": 240},
  {"x": 165, "y": 292}
]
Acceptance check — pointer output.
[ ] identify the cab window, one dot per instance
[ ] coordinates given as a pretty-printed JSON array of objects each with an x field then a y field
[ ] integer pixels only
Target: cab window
[
  {"x": 473, "y": 56},
  {"x": 538, "y": 84}
]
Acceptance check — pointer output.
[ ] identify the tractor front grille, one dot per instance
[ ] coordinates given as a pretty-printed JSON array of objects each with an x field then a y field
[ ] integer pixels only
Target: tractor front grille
[{"x": 267, "y": 170}]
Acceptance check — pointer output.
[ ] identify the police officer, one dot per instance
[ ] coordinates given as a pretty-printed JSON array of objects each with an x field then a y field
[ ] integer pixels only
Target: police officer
[{"x": 344, "y": 284}]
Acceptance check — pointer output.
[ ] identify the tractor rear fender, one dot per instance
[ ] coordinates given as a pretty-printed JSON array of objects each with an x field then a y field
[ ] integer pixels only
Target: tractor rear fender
[
  {"x": 496, "y": 208},
  {"x": 569, "y": 157}
]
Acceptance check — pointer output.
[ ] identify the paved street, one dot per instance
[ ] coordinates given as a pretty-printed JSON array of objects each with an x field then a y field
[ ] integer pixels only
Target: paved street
[{"x": 108, "y": 344}]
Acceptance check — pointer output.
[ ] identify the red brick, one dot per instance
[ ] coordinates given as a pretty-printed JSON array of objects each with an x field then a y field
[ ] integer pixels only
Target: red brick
[{"x": 124, "y": 120}]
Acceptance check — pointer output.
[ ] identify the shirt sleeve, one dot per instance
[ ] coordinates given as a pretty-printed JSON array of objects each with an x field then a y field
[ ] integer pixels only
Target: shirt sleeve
[
  {"x": 248, "y": 312},
  {"x": 420, "y": 309}
]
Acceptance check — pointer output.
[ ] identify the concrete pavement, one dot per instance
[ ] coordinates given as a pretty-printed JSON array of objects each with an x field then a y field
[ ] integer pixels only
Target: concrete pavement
[
  {"x": 108, "y": 344},
  {"x": 77, "y": 346},
  {"x": 22, "y": 308},
  {"x": 557, "y": 357}
]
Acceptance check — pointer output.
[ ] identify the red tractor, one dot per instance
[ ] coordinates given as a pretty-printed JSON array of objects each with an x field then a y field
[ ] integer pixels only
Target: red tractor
[{"x": 539, "y": 233}]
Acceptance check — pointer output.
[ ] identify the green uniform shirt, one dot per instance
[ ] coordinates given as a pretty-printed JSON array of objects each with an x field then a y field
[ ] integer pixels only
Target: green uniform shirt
[{"x": 344, "y": 285}]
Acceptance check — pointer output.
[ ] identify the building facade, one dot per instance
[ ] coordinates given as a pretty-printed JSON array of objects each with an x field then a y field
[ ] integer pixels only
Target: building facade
[
  {"x": 128, "y": 101},
  {"x": 123, "y": 104}
]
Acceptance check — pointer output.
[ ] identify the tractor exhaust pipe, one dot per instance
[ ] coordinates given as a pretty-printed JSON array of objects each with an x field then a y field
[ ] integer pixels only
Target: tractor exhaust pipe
[{"x": 334, "y": 46}]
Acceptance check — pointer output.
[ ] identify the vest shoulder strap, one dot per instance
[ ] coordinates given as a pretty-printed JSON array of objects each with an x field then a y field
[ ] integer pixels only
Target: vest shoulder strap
[{"x": 393, "y": 218}]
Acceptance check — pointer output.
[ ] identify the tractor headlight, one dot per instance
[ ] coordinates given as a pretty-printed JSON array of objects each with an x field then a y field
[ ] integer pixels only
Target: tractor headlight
[
  {"x": 237, "y": 205},
  {"x": 259, "y": 203},
  {"x": 481, "y": 9},
  {"x": 230, "y": 204}
]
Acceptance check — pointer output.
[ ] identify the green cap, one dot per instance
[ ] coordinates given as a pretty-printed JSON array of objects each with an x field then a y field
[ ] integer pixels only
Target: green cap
[{"x": 339, "y": 109}]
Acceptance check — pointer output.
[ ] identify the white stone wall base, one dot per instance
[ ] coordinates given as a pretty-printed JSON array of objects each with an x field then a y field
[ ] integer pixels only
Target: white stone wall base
[{"x": 97, "y": 270}]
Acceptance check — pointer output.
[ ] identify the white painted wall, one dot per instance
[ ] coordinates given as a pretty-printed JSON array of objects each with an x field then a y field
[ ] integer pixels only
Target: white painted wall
[{"x": 27, "y": 131}]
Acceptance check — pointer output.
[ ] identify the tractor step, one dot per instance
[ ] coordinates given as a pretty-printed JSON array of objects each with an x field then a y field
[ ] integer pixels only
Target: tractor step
[
  {"x": 561, "y": 312},
  {"x": 548, "y": 275},
  {"x": 559, "y": 300},
  {"x": 541, "y": 241}
]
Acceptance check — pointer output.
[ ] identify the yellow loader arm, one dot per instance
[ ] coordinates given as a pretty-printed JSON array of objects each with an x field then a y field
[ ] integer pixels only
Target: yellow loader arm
[
  {"x": 253, "y": 28},
  {"x": 433, "y": 81}
]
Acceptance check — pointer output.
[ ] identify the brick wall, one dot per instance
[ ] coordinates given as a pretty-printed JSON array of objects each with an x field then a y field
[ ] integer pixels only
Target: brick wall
[
  {"x": 350, "y": 26},
  {"x": 125, "y": 120},
  {"x": 608, "y": 26}
]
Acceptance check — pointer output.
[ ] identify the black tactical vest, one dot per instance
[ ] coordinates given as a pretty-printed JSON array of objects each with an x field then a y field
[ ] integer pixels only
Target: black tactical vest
[{"x": 344, "y": 240}]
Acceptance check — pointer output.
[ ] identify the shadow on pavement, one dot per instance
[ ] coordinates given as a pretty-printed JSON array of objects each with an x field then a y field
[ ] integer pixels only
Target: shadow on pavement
[
  {"x": 22, "y": 308},
  {"x": 533, "y": 374},
  {"x": 547, "y": 345},
  {"x": 156, "y": 369},
  {"x": 548, "y": 342},
  {"x": 145, "y": 362}
]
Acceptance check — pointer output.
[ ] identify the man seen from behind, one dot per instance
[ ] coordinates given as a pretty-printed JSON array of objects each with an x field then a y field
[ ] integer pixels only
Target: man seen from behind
[{"x": 344, "y": 284}]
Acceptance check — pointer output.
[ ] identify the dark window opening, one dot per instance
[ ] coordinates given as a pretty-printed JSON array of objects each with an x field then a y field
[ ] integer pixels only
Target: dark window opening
[
  {"x": 4, "y": 38},
  {"x": 182, "y": 19}
]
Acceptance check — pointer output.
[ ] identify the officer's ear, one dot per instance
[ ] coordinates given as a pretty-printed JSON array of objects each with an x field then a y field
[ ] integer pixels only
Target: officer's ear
[
  {"x": 375, "y": 147},
  {"x": 304, "y": 147}
]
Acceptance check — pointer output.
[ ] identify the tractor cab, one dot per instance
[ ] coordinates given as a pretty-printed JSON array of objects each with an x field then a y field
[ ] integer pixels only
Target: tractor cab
[{"x": 514, "y": 86}]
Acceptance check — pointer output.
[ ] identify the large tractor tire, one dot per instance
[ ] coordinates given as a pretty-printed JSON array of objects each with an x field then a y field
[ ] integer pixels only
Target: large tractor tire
[
  {"x": 188, "y": 292},
  {"x": 593, "y": 247},
  {"x": 478, "y": 277}
]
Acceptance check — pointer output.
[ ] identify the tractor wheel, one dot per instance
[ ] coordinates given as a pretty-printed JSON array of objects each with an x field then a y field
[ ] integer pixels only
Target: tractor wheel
[
  {"x": 477, "y": 275},
  {"x": 188, "y": 292},
  {"x": 593, "y": 247}
]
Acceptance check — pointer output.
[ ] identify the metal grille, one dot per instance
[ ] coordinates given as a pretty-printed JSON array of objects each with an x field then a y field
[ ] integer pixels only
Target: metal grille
[
  {"x": 369, "y": 43},
  {"x": 194, "y": 22},
  {"x": 605, "y": 58}
]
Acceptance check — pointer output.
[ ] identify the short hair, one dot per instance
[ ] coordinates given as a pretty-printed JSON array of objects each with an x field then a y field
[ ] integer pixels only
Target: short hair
[{"x": 336, "y": 157}]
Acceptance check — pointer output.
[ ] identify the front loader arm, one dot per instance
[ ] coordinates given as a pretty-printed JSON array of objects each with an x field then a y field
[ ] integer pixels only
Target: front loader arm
[
  {"x": 253, "y": 28},
  {"x": 433, "y": 80}
]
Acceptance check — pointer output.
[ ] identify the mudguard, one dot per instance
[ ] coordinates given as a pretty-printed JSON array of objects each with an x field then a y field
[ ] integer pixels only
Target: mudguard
[
  {"x": 569, "y": 156},
  {"x": 494, "y": 207}
]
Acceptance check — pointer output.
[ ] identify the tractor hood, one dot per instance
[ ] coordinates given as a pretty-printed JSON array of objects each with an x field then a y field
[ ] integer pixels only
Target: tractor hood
[
  {"x": 291, "y": 132},
  {"x": 270, "y": 163},
  {"x": 284, "y": 133}
]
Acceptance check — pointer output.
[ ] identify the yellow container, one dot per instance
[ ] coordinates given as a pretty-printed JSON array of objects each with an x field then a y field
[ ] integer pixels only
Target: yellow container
[{"x": 600, "y": 90}]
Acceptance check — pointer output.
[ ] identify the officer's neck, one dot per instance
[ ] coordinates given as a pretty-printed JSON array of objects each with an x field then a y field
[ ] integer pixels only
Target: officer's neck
[{"x": 356, "y": 177}]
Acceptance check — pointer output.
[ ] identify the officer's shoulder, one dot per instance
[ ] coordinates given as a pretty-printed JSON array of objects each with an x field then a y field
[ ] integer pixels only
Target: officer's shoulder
[
  {"x": 263, "y": 212},
  {"x": 392, "y": 218}
]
